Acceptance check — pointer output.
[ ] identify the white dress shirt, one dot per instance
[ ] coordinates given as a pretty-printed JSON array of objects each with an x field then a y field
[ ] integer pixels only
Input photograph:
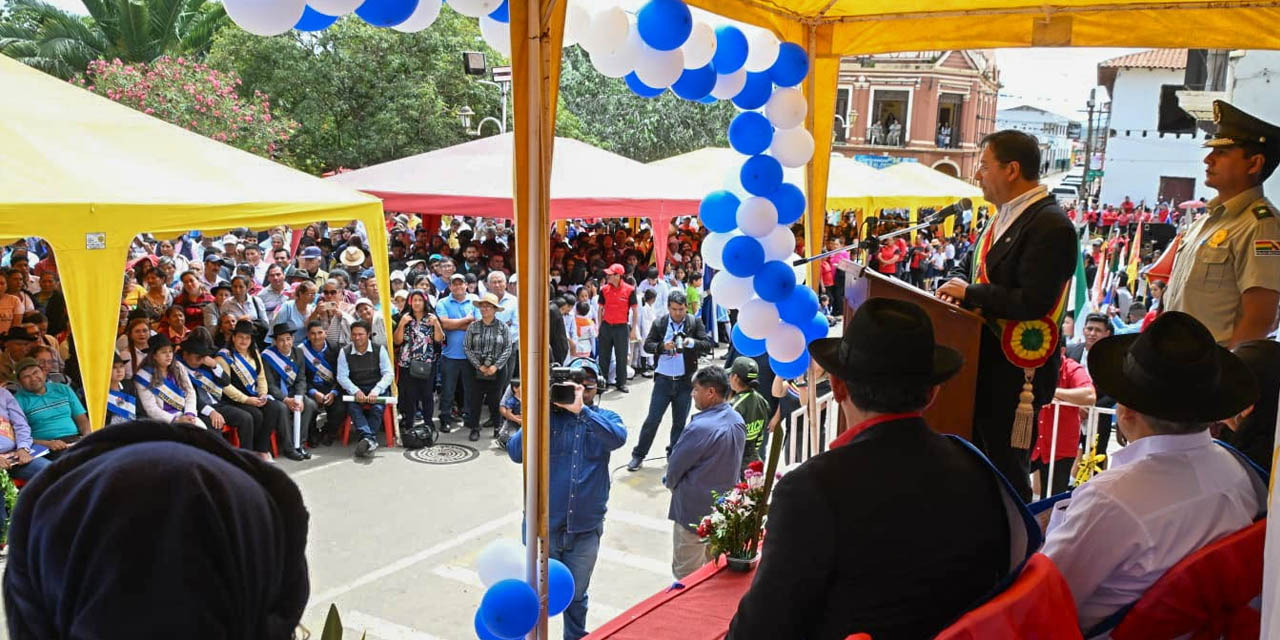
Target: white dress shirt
[
  {"x": 1164, "y": 497},
  {"x": 1010, "y": 210}
]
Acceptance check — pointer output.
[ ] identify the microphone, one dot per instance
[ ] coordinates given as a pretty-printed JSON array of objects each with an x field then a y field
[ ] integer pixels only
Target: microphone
[{"x": 964, "y": 204}]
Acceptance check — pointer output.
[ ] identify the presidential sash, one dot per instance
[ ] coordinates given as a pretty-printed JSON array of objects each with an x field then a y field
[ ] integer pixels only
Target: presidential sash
[
  {"x": 281, "y": 364},
  {"x": 317, "y": 365},
  {"x": 203, "y": 378},
  {"x": 1026, "y": 344},
  {"x": 122, "y": 404},
  {"x": 244, "y": 370}
]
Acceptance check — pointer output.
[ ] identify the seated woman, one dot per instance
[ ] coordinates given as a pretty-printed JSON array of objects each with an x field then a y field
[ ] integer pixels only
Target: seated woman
[
  {"x": 258, "y": 546},
  {"x": 134, "y": 351},
  {"x": 164, "y": 391},
  {"x": 210, "y": 381},
  {"x": 248, "y": 388},
  {"x": 122, "y": 395}
]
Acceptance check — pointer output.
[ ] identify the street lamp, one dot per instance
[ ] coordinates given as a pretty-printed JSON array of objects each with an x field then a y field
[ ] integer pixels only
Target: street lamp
[
  {"x": 464, "y": 117},
  {"x": 474, "y": 64}
]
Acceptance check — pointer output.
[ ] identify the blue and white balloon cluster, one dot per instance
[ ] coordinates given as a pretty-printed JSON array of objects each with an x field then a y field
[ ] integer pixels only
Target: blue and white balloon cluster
[{"x": 509, "y": 608}]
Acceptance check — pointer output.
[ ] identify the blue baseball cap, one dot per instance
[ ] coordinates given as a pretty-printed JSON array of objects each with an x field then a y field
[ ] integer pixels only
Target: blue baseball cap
[{"x": 311, "y": 252}]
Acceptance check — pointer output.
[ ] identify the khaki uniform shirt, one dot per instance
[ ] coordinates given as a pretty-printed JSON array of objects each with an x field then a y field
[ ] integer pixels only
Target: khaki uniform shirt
[{"x": 1233, "y": 248}]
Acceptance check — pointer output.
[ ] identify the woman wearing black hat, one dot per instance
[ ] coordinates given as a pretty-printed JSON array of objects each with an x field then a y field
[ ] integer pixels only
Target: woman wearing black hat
[
  {"x": 248, "y": 390},
  {"x": 210, "y": 382},
  {"x": 163, "y": 388}
]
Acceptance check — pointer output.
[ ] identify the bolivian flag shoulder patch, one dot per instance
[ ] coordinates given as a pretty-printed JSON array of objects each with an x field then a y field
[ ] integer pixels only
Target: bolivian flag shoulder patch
[{"x": 1266, "y": 248}]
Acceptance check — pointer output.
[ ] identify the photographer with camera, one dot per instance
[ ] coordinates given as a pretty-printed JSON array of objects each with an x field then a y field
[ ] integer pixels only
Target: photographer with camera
[
  {"x": 582, "y": 436},
  {"x": 677, "y": 339}
]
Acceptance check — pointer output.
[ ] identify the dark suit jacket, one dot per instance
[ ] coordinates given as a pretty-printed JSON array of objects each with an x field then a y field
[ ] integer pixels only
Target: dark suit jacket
[
  {"x": 895, "y": 534},
  {"x": 298, "y": 388},
  {"x": 693, "y": 328},
  {"x": 559, "y": 338},
  {"x": 1028, "y": 267}
]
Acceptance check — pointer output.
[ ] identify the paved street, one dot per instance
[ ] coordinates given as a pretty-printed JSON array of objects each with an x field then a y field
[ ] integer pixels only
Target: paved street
[{"x": 393, "y": 541}]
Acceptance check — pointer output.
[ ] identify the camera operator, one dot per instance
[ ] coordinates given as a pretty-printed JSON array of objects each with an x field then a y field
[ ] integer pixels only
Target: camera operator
[
  {"x": 677, "y": 339},
  {"x": 582, "y": 435}
]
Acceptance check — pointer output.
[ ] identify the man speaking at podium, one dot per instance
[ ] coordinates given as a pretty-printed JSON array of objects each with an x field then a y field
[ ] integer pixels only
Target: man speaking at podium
[{"x": 1017, "y": 277}]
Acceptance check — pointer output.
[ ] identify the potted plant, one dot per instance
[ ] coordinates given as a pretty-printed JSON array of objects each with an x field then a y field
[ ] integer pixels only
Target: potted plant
[{"x": 735, "y": 523}]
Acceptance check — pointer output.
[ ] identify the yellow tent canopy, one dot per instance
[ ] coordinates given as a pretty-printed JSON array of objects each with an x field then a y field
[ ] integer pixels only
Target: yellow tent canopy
[{"x": 88, "y": 174}]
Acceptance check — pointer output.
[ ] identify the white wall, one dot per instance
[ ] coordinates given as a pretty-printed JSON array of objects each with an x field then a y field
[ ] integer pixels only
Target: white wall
[
  {"x": 1134, "y": 164},
  {"x": 1257, "y": 91}
]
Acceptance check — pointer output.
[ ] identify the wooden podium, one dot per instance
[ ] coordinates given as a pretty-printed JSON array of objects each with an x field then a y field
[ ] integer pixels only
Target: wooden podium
[{"x": 960, "y": 329}]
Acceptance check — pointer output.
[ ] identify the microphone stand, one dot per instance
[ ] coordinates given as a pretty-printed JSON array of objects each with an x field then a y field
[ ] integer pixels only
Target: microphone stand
[{"x": 871, "y": 239}]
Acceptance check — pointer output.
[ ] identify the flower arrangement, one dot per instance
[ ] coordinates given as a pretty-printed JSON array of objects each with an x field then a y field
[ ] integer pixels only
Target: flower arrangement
[{"x": 737, "y": 517}]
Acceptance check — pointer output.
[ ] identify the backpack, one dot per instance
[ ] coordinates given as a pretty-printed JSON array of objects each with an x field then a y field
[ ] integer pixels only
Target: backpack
[{"x": 419, "y": 436}]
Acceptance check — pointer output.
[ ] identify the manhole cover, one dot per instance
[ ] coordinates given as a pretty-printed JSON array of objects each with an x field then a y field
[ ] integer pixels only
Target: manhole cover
[{"x": 443, "y": 454}]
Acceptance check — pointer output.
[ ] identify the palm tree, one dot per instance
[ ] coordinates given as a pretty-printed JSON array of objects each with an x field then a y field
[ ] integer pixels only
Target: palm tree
[{"x": 63, "y": 44}]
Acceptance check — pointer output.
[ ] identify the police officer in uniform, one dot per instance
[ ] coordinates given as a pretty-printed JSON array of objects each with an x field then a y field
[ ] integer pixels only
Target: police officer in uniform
[{"x": 1226, "y": 273}]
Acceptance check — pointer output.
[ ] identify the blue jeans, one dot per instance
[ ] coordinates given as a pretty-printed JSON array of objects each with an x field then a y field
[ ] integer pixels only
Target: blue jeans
[
  {"x": 578, "y": 552},
  {"x": 365, "y": 420},
  {"x": 29, "y": 470},
  {"x": 667, "y": 391}
]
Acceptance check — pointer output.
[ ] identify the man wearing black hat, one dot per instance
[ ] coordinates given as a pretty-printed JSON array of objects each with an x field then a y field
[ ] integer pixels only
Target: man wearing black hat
[
  {"x": 1171, "y": 490},
  {"x": 853, "y": 533},
  {"x": 1227, "y": 270},
  {"x": 287, "y": 382},
  {"x": 17, "y": 342},
  {"x": 209, "y": 380}
]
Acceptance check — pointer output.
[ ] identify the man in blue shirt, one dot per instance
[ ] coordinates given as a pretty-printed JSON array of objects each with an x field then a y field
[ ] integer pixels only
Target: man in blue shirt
[
  {"x": 706, "y": 458},
  {"x": 456, "y": 313},
  {"x": 582, "y": 435}
]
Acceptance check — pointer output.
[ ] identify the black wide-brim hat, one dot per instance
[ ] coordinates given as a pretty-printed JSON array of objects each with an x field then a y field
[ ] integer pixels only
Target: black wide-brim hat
[
  {"x": 1173, "y": 371},
  {"x": 195, "y": 345},
  {"x": 887, "y": 340}
]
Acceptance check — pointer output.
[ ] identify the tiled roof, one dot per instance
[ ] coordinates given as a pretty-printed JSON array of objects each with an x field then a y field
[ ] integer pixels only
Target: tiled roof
[{"x": 1152, "y": 59}]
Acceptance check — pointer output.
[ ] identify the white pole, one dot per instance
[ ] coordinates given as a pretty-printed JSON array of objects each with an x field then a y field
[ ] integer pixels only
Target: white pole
[
  {"x": 297, "y": 426},
  {"x": 1046, "y": 490}
]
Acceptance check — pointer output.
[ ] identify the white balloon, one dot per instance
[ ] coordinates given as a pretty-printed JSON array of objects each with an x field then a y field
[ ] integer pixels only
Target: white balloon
[
  {"x": 758, "y": 318},
  {"x": 607, "y": 31},
  {"x": 757, "y": 217},
  {"x": 700, "y": 48},
  {"x": 421, "y": 18},
  {"x": 339, "y": 7},
  {"x": 802, "y": 271},
  {"x": 785, "y": 342},
  {"x": 612, "y": 66},
  {"x": 792, "y": 147},
  {"x": 265, "y": 17},
  {"x": 502, "y": 559},
  {"x": 780, "y": 243},
  {"x": 728, "y": 86},
  {"x": 762, "y": 52},
  {"x": 730, "y": 291},
  {"x": 659, "y": 69},
  {"x": 786, "y": 108},
  {"x": 577, "y": 22},
  {"x": 474, "y": 8},
  {"x": 712, "y": 248},
  {"x": 497, "y": 34}
]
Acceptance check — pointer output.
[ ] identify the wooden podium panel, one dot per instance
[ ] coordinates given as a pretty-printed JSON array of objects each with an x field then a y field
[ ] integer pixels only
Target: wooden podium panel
[{"x": 960, "y": 329}]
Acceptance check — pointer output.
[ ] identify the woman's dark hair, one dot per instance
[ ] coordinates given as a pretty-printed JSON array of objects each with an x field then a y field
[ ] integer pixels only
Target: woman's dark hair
[
  {"x": 408, "y": 304},
  {"x": 173, "y": 371},
  {"x": 1011, "y": 145}
]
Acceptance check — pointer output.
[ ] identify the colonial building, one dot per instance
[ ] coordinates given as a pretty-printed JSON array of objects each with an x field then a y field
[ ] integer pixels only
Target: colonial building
[
  {"x": 1052, "y": 130},
  {"x": 931, "y": 107}
]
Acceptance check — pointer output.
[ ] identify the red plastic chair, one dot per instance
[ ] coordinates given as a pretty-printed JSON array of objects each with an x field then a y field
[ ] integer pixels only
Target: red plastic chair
[
  {"x": 1206, "y": 595},
  {"x": 233, "y": 437},
  {"x": 1037, "y": 605},
  {"x": 388, "y": 423}
]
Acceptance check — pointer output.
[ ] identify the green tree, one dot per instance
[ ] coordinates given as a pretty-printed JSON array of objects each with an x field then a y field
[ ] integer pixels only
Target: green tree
[
  {"x": 365, "y": 95},
  {"x": 611, "y": 117},
  {"x": 62, "y": 44}
]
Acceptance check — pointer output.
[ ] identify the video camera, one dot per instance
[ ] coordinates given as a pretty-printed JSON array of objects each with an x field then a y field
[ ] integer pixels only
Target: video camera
[{"x": 562, "y": 384}]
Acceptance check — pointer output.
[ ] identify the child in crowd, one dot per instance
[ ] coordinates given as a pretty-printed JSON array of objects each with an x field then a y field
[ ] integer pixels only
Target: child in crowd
[
  {"x": 824, "y": 305},
  {"x": 648, "y": 313},
  {"x": 584, "y": 331},
  {"x": 510, "y": 410},
  {"x": 693, "y": 292}
]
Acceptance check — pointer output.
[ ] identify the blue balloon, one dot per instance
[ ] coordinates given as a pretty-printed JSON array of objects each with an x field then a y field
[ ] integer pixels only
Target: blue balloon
[
  {"x": 775, "y": 281},
  {"x": 761, "y": 175},
  {"x": 794, "y": 369},
  {"x": 313, "y": 20},
  {"x": 560, "y": 587},
  {"x": 731, "y": 50},
  {"x": 386, "y": 13},
  {"x": 502, "y": 13},
  {"x": 799, "y": 306},
  {"x": 755, "y": 93},
  {"x": 788, "y": 199},
  {"x": 664, "y": 24},
  {"x": 745, "y": 344},
  {"x": 509, "y": 608},
  {"x": 791, "y": 66},
  {"x": 641, "y": 89},
  {"x": 695, "y": 84},
  {"x": 742, "y": 256},
  {"x": 815, "y": 328},
  {"x": 708, "y": 100},
  {"x": 719, "y": 211},
  {"x": 750, "y": 133},
  {"x": 483, "y": 632}
]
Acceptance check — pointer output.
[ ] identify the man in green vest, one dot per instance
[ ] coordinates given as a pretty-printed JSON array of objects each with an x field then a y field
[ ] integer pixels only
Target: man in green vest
[{"x": 754, "y": 409}]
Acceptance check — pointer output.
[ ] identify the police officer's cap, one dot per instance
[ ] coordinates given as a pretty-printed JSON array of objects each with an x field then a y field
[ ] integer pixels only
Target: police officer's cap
[{"x": 1237, "y": 127}]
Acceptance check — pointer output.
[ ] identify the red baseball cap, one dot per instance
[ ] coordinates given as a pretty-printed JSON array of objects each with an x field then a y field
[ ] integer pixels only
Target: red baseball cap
[{"x": 615, "y": 269}]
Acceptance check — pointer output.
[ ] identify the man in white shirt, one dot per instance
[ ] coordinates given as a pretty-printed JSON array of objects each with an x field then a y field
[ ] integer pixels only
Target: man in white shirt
[
  {"x": 659, "y": 287},
  {"x": 1171, "y": 491}
]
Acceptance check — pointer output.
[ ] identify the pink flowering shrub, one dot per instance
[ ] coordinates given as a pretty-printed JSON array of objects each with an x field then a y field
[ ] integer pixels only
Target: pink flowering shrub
[{"x": 196, "y": 97}]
